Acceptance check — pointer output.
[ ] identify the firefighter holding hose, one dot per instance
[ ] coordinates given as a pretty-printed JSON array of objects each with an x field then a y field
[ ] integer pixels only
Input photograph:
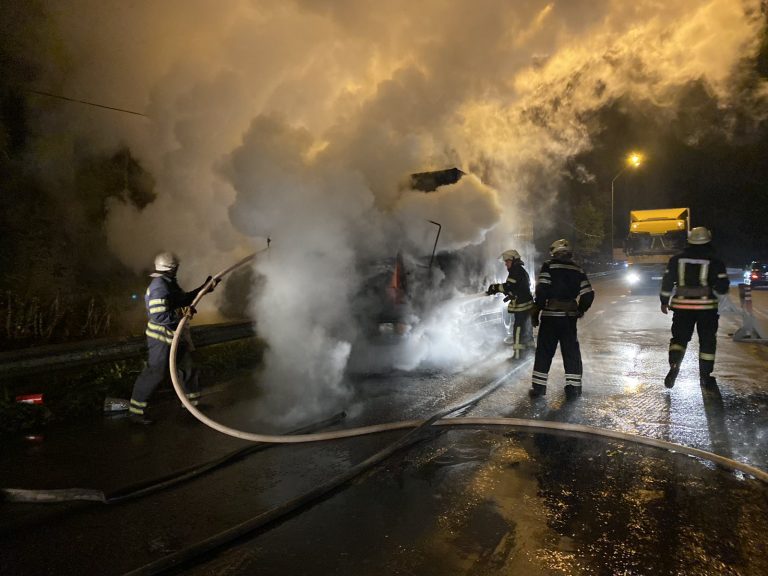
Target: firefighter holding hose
[
  {"x": 164, "y": 301},
  {"x": 517, "y": 292}
]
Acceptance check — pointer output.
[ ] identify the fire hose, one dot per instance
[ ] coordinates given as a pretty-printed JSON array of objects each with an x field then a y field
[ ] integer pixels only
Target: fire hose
[
  {"x": 202, "y": 549},
  {"x": 437, "y": 420}
]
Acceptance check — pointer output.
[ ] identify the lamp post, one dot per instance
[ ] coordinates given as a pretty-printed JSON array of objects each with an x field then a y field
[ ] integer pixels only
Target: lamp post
[{"x": 634, "y": 160}]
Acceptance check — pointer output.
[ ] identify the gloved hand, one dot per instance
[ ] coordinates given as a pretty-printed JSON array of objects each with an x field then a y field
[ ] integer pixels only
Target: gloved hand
[
  {"x": 664, "y": 308},
  {"x": 535, "y": 317},
  {"x": 492, "y": 289},
  {"x": 214, "y": 284}
]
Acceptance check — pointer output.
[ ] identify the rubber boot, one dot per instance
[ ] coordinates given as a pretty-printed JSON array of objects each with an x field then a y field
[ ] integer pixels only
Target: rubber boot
[
  {"x": 705, "y": 374},
  {"x": 537, "y": 390},
  {"x": 140, "y": 419},
  {"x": 572, "y": 391},
  {"x": 669, "y": 379},
  {"x": 675, "y": 359}
]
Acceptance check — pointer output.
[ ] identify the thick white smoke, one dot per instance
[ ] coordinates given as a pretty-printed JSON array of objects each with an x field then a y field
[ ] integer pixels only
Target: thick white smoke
[{"x": 299, "y": 121}]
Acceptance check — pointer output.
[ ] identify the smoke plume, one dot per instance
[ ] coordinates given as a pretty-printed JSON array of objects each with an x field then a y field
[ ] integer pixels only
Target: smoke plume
[{"x": 300, "y": 120}]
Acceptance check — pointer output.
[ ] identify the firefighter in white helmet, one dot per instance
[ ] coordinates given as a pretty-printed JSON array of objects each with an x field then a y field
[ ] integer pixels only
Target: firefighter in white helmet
[
  {"x": 563, "y": 295},
  {"x": 517, "y": 291},
  {"x": 690, "y": 286},
  {"x": 164, "y": 300}
]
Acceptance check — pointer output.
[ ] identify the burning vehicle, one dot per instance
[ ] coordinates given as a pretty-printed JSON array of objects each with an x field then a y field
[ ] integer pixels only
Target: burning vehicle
[{"x": 403, "y": 292}]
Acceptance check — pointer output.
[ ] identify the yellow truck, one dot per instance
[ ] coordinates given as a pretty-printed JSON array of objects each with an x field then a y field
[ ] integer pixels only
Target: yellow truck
[{"x": 654, "y": 236}]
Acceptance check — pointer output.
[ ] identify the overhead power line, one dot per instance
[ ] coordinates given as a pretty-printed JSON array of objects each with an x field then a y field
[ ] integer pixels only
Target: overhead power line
[
  {"x": 39, "y": 92},
  {"x": 583, "y": 232}
]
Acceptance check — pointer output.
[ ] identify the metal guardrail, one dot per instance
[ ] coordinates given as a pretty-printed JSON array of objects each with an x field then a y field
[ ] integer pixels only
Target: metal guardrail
[{"x": 39, "y": 359}]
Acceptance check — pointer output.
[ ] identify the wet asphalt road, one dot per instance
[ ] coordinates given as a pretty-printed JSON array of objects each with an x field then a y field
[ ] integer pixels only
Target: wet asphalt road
[{"x": 464, "y": 502}]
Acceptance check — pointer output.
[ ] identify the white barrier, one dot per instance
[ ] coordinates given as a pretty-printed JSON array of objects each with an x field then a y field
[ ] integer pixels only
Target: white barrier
[{"x": 749, "y": 331}]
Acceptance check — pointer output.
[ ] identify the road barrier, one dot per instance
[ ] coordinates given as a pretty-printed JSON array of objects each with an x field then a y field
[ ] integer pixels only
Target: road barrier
[
  {"x": 46, "y": 359},
  {"x": 750, "y": 331}
]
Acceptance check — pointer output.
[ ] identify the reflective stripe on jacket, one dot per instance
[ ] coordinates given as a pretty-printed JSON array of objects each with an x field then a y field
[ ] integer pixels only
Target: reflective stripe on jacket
[
  {"x": 164, "y": 300},
  {"x": 517, "y": 288},
  {"x": 563, "y": 289},
  {"x": 693, "y": 279}
]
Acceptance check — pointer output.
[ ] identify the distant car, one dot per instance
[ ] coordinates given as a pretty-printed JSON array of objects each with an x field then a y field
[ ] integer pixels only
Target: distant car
[{"x": 756, "y": 274}]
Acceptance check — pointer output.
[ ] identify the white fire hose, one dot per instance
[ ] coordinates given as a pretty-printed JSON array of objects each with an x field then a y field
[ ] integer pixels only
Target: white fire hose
[{"x": 517, "y": 423}]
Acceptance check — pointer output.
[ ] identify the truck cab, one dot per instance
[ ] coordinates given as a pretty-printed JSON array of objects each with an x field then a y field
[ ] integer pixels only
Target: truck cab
[{"x": 654, "y": 237}]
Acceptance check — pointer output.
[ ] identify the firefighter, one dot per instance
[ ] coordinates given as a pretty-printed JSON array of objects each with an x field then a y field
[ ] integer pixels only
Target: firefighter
[
  {"x": 690, "y": 286},
  {"x": 517, "y": 291},
  {"x": 563, "y": 295},
  {"x": 164, "y": 300}
]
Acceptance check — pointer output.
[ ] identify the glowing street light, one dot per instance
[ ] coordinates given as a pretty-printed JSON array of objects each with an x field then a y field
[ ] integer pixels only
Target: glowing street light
[{"x": 634, "y": 160}]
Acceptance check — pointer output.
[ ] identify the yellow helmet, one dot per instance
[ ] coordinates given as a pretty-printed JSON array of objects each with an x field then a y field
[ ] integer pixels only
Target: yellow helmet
[
  {"x": 510, "y": 255},
  {"x": 699, "y": 235}
]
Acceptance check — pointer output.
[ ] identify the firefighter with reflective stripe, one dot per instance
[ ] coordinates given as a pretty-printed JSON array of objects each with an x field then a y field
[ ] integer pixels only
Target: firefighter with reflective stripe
[
  {"x": 164, "y": 300},
  {"x": 563, "y": 295},
  {"x": 517, "y": 292},
  {"x": 690, "y": 286}
]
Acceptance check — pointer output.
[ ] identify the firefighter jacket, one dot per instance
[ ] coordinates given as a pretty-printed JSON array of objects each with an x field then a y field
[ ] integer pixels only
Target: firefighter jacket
[
  {"x": 164, "y": 300},
  {"x": 563, "y": 289},
  {"x": 517, "y": 289},
  {"x": 693, "y": 279}
]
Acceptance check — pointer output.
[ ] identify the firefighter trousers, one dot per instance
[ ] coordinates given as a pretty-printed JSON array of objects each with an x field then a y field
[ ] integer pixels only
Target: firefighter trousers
[
  {"x": 156, "y": 371},
  {"x": 683, "y": 323},
  {"x": 520, "y": 332},
  {"x": 555, "y": 330}
]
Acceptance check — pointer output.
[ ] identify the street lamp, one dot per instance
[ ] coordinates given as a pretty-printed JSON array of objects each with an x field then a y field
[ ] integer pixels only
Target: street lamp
[{"x": 633, "y": 160}]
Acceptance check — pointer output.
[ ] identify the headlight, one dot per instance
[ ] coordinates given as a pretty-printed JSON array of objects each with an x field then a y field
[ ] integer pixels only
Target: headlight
[{"x": 632, "y": 277}]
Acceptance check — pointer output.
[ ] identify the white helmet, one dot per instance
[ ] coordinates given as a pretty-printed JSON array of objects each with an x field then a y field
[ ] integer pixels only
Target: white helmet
[
  {"x": 699, "y": 235},
  {"x": 166, "y": 263},
  {"x": 558, "y": 246},
  {"x": 510, "y": 255}
]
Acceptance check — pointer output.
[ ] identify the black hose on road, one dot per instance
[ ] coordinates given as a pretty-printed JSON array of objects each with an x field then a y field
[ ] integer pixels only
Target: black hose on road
[
  {"x": 146, "y": 487},
  {"x": 221, "y": 540},
  {"x": 197, "y": 552}
]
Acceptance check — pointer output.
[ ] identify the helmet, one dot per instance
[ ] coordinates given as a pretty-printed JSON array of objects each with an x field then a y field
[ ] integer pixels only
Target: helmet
[
  {"x": 510, "y": 255},
  {"x": 558, "y": 246},
  {"x": 699, "y": 235},
  {"x": 166, "y": 262}
]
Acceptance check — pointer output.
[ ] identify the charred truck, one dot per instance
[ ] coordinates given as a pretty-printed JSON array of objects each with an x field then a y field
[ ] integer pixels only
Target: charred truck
[{"x": 654, "y": 237}]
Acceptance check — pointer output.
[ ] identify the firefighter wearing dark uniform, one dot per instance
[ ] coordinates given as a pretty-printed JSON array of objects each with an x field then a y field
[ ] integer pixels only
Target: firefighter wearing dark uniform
[
  {"x": 517, "y": 291},
  {"x": 563, "y": 295},
  {"x": 690, "y": 286},
  {"x": 164, "y": 300}
]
